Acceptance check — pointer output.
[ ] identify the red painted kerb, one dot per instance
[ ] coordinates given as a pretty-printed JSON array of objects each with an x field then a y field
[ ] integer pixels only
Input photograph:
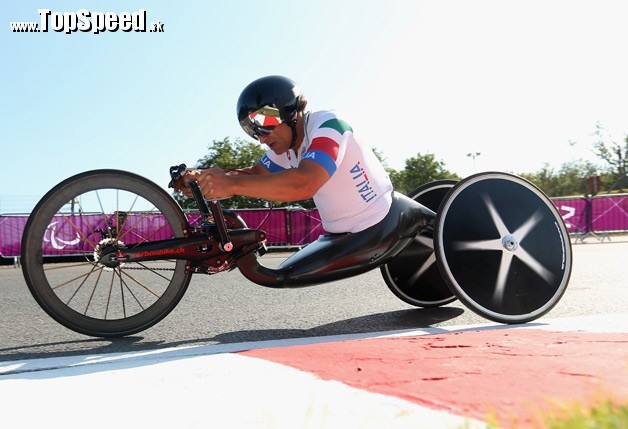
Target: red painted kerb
[{"x": 511, "y": 374}]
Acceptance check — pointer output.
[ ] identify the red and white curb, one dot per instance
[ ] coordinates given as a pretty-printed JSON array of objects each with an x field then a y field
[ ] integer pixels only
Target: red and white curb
[{"x": 450, "y": 377}]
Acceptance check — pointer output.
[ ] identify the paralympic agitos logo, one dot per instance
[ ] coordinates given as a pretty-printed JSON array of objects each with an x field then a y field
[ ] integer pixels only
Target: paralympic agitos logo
[{"x": 54, "y": 237}]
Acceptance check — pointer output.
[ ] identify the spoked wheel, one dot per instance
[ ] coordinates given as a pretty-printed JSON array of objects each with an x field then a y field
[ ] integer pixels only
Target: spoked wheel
[
  {"x": 84, "y": 217},
  {"x": 503, "y": 247},
  {"x": 413, "y": 275}
]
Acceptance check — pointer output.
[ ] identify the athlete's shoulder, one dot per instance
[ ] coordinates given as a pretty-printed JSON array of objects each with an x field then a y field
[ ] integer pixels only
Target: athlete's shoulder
[{"x": 329, "y": 119}]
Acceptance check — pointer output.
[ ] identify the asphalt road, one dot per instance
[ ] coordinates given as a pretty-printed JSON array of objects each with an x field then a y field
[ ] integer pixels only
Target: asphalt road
[{"x": 227, "y": 308}]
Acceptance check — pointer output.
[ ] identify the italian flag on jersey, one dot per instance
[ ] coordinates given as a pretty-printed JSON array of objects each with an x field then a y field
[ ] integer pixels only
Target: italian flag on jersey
[{"x": 324, "y": 149}]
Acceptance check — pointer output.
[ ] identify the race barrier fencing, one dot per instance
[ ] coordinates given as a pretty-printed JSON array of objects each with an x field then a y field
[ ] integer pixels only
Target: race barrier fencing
[
  {"x": 290, "y": 227},
  {"x": 77, "y": 233},
  {"x": 599, "y": 214}
]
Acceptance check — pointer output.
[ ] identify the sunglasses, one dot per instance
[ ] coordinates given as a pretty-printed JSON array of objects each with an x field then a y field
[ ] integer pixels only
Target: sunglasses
[{"x": 262, "y": 122}]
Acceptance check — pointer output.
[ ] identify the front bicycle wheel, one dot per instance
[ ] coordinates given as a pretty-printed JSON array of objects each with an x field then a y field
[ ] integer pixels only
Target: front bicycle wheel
[{"x": 84, "y": 217}]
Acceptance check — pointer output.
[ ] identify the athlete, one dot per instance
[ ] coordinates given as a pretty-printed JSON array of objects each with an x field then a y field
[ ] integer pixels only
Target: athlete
[
  {"x": 316, "y": 155},
  {"x": 311, "y": 155}
]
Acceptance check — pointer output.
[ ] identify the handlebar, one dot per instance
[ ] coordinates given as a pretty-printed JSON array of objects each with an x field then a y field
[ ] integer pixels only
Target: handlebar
[{"x": 177, "y": 172}]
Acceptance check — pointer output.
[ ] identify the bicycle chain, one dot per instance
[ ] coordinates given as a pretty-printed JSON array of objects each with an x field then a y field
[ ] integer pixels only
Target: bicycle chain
[
  {"x": 149, "y": 269},
  {"x": 167, "y": 269}
]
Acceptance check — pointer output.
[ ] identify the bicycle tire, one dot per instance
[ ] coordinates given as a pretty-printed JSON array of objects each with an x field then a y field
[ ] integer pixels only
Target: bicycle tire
[
  {"x": 60, "y": 248},
  {"x": 503, "y": 247}
]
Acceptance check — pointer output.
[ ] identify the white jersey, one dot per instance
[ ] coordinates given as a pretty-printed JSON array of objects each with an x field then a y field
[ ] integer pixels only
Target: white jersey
[{"x": 358, "y": 192}]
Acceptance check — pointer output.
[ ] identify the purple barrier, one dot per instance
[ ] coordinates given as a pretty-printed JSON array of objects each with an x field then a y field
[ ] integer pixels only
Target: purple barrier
[
  {"x": 75, "y": 234},
  {"x": 273, "y": 223},
  {"x": 305, "y": 227},
  {"x": 602, "y": 214},
  {"x": 78, "y": 234},
  {"x": 285, "y": 226},
  {"x": 573, "y": 213},
  {"x": 11, "y": 228},
  {"x": 610, "y": 213}
]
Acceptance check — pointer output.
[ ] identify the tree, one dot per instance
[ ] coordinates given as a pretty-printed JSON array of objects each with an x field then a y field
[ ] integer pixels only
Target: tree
[
  {"x": 419, "y": 170},
  {"x": 231, "y": 155},
  {"x": 571, "y": 178},
  {"x": 614, "y": 154},
  {"x": 545, "y": 178}
]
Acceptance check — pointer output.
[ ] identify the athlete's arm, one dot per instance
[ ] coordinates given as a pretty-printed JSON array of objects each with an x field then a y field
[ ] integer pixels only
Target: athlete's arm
[{"x": 292, "y": 184}]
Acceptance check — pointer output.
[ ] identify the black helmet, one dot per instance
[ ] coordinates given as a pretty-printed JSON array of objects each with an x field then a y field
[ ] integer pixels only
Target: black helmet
[{"x": 266, "y": 103}]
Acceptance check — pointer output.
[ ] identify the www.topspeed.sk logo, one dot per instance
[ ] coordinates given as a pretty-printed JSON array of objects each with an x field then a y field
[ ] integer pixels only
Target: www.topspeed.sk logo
[{"x": 87, "y": 21}]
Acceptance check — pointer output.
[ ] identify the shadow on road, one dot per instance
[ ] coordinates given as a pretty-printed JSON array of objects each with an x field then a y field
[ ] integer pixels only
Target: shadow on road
[
  {"x": 395, "y": 320},
  {"x": 391, "y": 321}
]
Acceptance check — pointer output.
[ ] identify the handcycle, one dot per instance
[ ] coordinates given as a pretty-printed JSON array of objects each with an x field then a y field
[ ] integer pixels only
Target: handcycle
[{"x": 109, "y": 253}]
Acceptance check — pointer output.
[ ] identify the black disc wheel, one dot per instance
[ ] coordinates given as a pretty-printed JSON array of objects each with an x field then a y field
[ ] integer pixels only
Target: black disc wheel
[
  {"x": 502, "y": 247},
  {"x": 413, "y": 275},
  {"x": 89, "y": 215}
]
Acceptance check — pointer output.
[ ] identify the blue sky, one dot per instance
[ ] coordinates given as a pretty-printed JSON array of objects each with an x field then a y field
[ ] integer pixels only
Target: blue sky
[{"x": 513, "y": 80}]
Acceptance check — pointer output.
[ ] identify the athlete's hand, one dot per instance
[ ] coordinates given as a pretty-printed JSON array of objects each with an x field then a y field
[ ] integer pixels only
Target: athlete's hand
[{"x": 215, "y": 184}]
